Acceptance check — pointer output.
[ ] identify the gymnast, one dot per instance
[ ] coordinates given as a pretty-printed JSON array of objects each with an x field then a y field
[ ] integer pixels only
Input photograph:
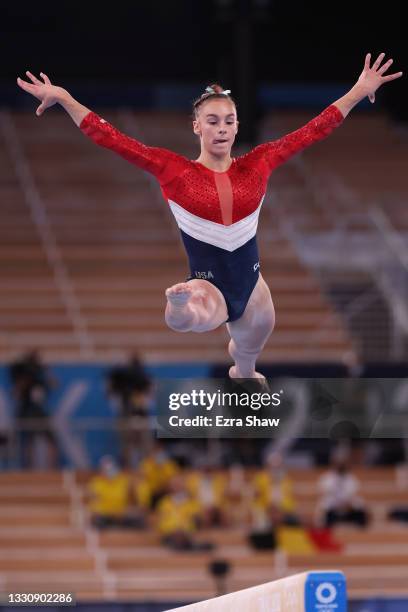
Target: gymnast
[{"x": 216, "y": 200}]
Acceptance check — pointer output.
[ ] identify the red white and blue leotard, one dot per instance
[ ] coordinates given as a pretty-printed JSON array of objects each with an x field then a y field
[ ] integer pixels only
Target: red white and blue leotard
[{"x": 216, "y": 212}]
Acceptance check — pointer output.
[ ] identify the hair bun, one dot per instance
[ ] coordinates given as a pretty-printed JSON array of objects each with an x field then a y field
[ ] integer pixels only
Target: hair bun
[{"x": 214, "y": 88}]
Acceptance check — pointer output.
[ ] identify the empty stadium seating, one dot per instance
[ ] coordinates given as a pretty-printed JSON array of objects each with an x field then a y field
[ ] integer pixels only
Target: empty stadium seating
[{"x": 98, "y": 290}]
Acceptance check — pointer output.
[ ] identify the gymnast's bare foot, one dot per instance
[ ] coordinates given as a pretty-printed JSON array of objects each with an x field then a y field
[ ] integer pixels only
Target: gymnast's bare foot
[
  {"x": 178, "y": 295},
  {"x": 183, "y": 305}
]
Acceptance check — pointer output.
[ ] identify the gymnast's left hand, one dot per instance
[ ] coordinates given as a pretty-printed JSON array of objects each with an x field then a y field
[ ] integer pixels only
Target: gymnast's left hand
[{"x": 372, "y": 78}]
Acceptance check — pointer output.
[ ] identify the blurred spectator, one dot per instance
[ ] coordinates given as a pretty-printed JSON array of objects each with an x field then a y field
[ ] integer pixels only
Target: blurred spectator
[
  {"x": 238, "y": 495},
  {"x": 273, "y": 493},
  {"x": 207, "y": 486},
  {"x": 340, "y": 501},
  {"x": 273, "y": 504},
  {"x": 109, "y": 498},
  {"x": 177, "y": 517},
  {"x": 155, "y": 472},
  {"x": 31, "y": 384},
  {"x": 131, "y": 387}
]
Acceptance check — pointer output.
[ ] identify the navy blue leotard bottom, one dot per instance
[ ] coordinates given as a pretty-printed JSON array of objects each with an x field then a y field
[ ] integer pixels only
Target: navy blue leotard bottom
[{"x": 234, "y": 273}]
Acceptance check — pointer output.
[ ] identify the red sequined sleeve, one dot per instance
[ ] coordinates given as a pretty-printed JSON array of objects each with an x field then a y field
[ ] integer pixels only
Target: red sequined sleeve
[
  {"x": 162, "y": 163},
  {"x": 278, "y": 151}
]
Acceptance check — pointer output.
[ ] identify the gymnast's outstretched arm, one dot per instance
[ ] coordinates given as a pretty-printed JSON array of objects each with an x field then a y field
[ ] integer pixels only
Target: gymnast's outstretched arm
[
  {"x": 165, "y": 165},
  {"x": 279, "y": 151}
]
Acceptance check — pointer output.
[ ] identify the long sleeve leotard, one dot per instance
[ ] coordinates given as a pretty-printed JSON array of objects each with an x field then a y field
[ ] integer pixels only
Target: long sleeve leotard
[{"x": 216, "y": 212}]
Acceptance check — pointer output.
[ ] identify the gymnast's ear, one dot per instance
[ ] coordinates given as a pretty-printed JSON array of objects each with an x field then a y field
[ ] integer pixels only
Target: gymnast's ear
[{"x": 196, "y": 127}]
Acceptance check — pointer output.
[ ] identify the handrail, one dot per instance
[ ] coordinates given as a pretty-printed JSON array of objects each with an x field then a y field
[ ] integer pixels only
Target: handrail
[
  {"x": 391, "y": 237},
  {"x": 379, "y": 221}
]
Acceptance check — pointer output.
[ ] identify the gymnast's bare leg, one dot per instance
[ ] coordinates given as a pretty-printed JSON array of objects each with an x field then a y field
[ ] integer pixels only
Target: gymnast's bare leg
[
  {"x": 251, "y": 331},
  {"x": 196, "y": 306},
  {"x": 199, "y": 306}
]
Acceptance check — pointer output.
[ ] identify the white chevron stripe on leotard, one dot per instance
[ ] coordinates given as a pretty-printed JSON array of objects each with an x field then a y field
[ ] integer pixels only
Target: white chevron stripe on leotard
[{"x": 228, "y": 237}]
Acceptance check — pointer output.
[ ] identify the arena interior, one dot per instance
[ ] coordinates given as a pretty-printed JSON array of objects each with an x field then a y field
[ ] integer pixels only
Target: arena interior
[{"x": 92, "y": 502}]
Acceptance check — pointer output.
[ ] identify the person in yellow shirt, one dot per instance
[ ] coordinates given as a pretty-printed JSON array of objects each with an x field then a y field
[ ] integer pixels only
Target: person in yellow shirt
[
  {"x": 109, "y": 497},
  {"x": 155, "y": 472},
  {"x": 274, "y": 521},
  {"x": 274, "y": 486},
  {"x": 207, "y": 487},
  {"x": 177, "y": 517},
  {"x": 273, "y": 500},
  {"x": 238, "y": 495}
]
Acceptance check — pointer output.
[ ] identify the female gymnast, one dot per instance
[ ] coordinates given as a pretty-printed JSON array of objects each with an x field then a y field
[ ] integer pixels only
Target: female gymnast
[{"x": 216, "y": 200}]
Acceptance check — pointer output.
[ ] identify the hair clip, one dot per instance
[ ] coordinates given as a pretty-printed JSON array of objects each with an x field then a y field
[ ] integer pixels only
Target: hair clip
[{"x": 211, "y": 90}]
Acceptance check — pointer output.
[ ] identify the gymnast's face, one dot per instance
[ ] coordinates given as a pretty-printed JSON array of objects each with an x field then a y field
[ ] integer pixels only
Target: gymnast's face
[{"x": 217, "y": 125}]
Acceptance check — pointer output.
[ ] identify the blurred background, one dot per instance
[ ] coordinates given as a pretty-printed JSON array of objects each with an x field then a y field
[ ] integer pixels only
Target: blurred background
[{"x": 87, "y": 249}]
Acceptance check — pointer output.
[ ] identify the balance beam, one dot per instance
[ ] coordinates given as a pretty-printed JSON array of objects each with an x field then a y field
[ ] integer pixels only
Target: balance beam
[{"x": 307, "y": 592}]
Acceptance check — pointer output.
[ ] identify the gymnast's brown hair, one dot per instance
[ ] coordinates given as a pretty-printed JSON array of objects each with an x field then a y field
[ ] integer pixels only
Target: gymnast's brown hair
[{"x": 213, "y": 91}]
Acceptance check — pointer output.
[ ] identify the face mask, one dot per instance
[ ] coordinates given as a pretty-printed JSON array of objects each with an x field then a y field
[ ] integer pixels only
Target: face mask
[
  {"x": 179, "y": 497},
  {"x": 110, "y": 470},
  {"x": 160, "y": 457}
]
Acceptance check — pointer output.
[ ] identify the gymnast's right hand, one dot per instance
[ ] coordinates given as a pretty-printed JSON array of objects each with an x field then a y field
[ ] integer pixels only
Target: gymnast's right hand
[{"x": 42, "y": 90}]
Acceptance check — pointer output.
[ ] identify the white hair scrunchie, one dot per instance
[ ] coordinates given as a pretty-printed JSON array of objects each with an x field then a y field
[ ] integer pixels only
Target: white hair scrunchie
[{"x": 211, "y": 90}]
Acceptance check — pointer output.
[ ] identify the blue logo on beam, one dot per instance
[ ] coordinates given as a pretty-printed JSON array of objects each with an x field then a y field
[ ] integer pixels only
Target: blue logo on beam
[{"x": 325, "y": 592}]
